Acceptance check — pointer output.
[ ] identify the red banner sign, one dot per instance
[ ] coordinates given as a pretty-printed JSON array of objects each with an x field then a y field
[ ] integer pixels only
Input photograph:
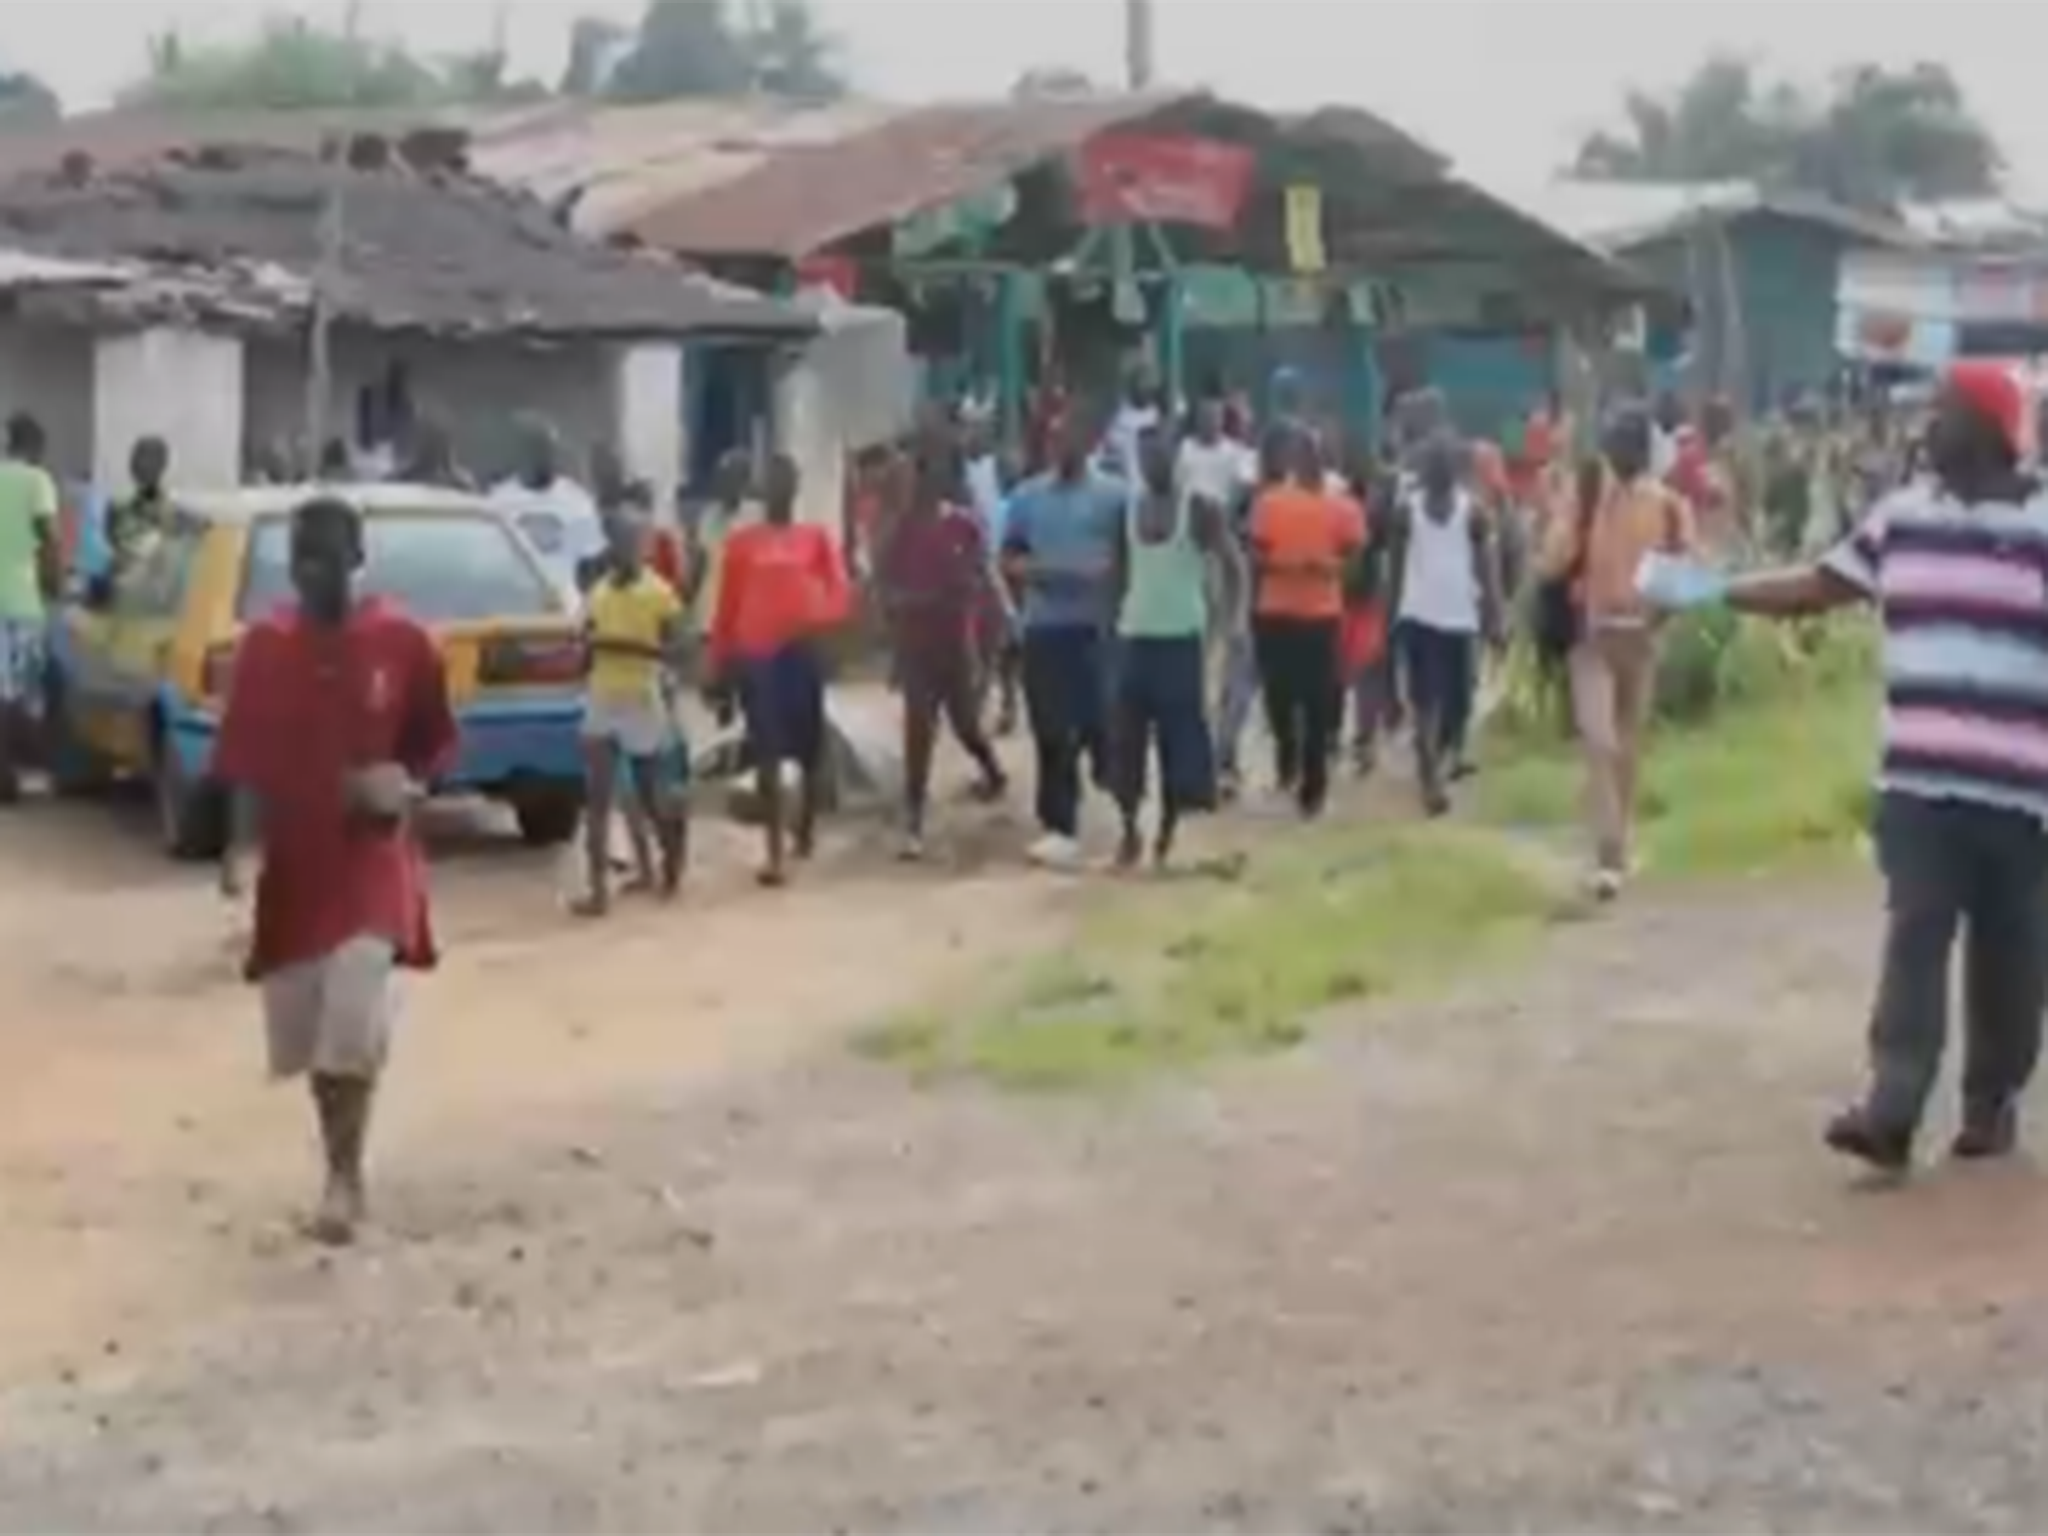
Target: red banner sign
[{"x": 1133, "y": 178}]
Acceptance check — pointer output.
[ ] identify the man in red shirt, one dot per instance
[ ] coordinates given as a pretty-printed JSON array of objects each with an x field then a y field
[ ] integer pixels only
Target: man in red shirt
[
  {"x": 336, "y": 720},
  {"x": 936, "y": 581},
  {"x": 783, "y": 589}
]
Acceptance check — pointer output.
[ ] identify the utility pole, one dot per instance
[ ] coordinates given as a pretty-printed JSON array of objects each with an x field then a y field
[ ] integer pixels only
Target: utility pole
[
  {"x": 326, "y": 274},
  {"x": 1141, "y": 39}
]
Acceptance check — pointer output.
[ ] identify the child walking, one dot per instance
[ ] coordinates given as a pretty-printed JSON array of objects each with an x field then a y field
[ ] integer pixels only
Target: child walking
[
  {"x": 784, "y": 588},
  {"x": 634, "y": 633}
]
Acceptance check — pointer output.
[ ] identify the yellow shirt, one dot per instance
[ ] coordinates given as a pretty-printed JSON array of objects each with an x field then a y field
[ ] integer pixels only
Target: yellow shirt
[{"x": 637, "y": 613}]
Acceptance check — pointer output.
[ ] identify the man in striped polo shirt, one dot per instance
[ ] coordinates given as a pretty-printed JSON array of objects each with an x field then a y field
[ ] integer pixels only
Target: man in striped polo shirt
[{"x": 1958, "y": 571}]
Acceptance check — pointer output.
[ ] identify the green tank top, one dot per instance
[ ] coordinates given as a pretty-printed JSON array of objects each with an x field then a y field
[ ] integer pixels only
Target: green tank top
[{"x": 1166, "y": 591}]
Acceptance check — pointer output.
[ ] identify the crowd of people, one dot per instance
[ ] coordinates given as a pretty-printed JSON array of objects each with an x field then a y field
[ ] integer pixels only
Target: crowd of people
[{"x": 1129, "y": 599}]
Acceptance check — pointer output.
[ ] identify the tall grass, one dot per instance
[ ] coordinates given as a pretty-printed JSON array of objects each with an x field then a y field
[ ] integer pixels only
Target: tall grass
[
  {"x": 1759, "y": 762},
  {"x": 1759, "y": 758}
]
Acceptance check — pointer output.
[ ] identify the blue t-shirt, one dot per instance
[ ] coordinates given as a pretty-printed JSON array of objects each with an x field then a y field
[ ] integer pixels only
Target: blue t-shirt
[{"x": 1070, "y": 533}]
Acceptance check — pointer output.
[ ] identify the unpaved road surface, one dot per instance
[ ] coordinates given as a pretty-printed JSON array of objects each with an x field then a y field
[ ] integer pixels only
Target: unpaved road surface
[{"x": 1555, "y": 1252}]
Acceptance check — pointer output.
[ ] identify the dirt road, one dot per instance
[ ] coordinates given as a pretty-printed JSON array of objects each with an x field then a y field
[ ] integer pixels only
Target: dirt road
[{"x": 1555, "y": 1252}]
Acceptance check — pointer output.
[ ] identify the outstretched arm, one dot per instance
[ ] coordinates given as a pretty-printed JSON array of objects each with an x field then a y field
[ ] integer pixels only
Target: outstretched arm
[{"x": 1793, "y": 592}]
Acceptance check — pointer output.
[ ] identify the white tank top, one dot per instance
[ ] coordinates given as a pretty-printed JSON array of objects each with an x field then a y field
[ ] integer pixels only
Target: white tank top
[{"x": 1440, "y": 579}]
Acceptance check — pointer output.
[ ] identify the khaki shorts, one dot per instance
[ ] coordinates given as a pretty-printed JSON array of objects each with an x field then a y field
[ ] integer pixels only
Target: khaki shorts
[
  {"x": 636, "y": 727},
  {"x": 333, "y": 1016}
]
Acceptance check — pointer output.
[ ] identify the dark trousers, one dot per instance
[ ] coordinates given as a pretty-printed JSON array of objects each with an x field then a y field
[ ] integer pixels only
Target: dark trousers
[
  {"x": 940, "y": 685},
  {"x": 1160, "y": 708},
  {"x": 1370, "y": 703},
  {"x": 1951, "y": 866},
  {"x": 1439, "y": 668},
  {"x": 1298, "y": 679},
  {"x": 1066, "y": 700}
]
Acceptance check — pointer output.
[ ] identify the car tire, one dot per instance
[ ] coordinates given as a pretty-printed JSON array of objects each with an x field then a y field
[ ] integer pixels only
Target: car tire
[
  {"x": 191, "y": 816},
  {"x": 547, "y": 818}
]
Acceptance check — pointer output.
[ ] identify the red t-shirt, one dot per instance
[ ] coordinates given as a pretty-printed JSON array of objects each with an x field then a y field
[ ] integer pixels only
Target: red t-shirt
[
  {"x": 776, "y": 586},
  {"x": 934, "y": 575},
  {"x": 307, "y": 706}
]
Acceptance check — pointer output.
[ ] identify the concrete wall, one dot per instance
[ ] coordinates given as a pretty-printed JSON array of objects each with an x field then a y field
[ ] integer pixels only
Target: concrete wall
[
  {"x": 182, "y": 386},
  {"x": 647, "y": 414},
  {"x": 805, "y": 430},
  {"x": 48, "y": 372}
]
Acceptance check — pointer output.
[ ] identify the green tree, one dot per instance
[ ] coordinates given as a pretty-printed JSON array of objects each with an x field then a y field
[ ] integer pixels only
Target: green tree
[
  {"x": 26, "y": 102},
  {"x": 683, "y": 48},
  {"x": 1876, "y": 138},
  {"x": 790, "y": 55},
  {"x": 688, "y": 48},
  {"x": 1906, "y": 135},
  {"x": 291, "y": 63},
  {"x": 595, "y": 46}
]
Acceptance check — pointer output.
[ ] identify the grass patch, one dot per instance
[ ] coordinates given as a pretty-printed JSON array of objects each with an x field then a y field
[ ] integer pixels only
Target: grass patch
[
  {"x": 1761, "y": 762},
  {"x": 1776, "y": 777},
  {"x": 1185, "y": 974}
]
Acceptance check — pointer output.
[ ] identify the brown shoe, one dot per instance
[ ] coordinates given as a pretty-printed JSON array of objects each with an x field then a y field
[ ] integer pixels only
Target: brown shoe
[
  {"x": 1987, "y": 1134},
  {"x": 1854, "y": 1134}
]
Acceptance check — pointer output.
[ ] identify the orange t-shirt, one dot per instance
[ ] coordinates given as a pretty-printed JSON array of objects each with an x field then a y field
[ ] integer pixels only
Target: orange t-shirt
[
  {"x": 1301, "y": 539},
  {"x": 777, "y": 586}
]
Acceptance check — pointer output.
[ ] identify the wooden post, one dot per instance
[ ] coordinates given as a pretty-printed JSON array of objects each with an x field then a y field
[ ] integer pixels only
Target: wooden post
[
  {"x": 326, "y": 272},
  {"x": 1141, "y": 40}
]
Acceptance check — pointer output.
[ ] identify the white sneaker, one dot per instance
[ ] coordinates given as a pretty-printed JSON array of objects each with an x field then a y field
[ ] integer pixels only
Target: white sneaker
[
  {"x": 1606, "y": 884},
  {"x": 1054, "y": 851}
]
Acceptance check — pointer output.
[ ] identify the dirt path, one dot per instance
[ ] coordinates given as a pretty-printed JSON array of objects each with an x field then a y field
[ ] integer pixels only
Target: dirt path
[
  {"x": 142, "y": 1155},
  {"x": 1557, "y": 1252}
]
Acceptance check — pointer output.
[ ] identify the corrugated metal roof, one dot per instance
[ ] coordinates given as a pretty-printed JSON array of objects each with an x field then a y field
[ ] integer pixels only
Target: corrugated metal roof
[
  {"x": 726, "y": 179},
  {"x": 239, "y": 232},
  {"x": 1985, "y": 223},
  {"x": 626, "y": 163},
  {"x": 1621, "y": 215},
  {"x": 129, "y": 137},
  {"x": 24, "y": 269}
]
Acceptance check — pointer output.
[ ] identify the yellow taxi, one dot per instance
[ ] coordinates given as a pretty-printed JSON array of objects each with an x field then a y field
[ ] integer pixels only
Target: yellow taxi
[{"x": 141, "y": 669}]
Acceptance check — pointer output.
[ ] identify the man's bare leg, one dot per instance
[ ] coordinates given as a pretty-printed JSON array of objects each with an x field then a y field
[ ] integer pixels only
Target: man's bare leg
[{"x": 344, "y": 1105}]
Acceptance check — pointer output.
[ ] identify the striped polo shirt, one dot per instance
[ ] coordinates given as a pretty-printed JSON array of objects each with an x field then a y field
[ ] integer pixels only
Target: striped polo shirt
[{"x": 1962, "y": 593}]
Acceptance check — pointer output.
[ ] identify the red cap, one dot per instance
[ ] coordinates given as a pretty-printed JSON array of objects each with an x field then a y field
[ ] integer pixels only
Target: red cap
[{"x": 1992, "y": 389}]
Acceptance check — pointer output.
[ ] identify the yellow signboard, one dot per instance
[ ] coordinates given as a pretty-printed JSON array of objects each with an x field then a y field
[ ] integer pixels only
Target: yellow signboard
[{"x": 1305, "y": 229}]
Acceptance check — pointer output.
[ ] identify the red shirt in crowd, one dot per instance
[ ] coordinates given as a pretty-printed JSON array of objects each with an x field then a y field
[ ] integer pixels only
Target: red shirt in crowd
[
  {"x": 934, "y": 577},
  {"x": 777, "y": 586},
  {"x": 666, "y": 557},
  {"x": 307, "y": 707}
]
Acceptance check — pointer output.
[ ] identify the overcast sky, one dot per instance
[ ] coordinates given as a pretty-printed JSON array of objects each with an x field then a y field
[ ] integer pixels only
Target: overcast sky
[{"x": 1505, "y": 86}]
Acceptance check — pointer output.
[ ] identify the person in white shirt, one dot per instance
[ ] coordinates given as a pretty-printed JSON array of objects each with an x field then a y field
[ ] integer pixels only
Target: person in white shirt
[
  {"x": 1138, "y": 414},
  {"x": 1447, "y": 595},
  {"x": 982, "y": 473},
  {"x": 1213, "y": 466},
  {"x": 1668, "y": 424},
  {"x": 559, "y": 516}
]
